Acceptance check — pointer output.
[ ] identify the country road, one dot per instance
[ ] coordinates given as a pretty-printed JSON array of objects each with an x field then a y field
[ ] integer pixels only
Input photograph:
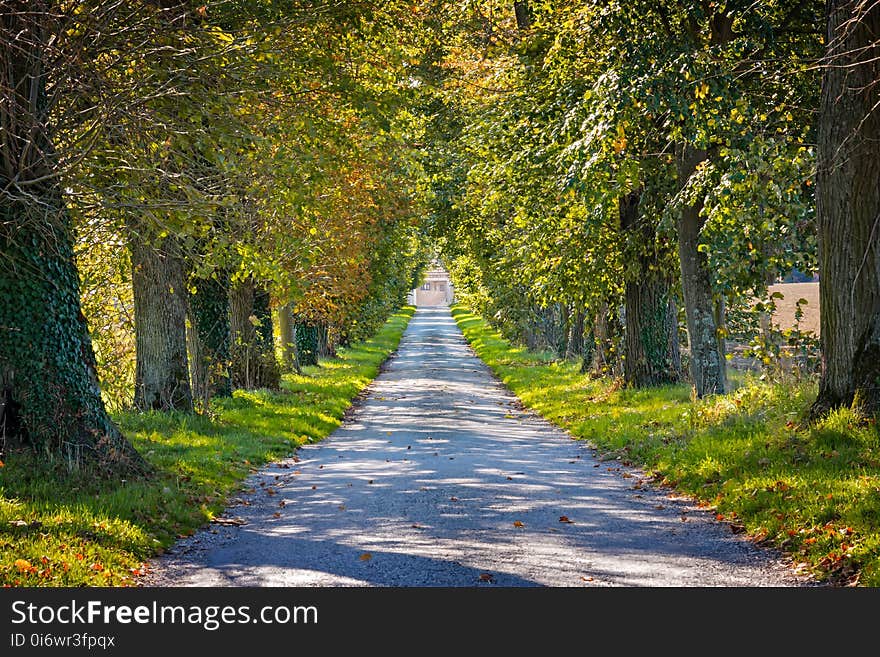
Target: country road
[{"x": 439, "y": 478}]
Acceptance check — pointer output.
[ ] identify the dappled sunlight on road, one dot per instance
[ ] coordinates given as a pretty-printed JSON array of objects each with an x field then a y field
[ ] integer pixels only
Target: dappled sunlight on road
[{"x": 441, "y": 479}]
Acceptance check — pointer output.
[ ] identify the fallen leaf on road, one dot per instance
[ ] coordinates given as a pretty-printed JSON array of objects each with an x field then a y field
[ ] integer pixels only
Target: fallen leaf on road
[
  {"x": 587, "y": 579},
  {"x": 276, "y": 515},
  {"x": 314, "y": 487},
  {"x": 342, "y": 507},
  {"x": 517, "y": 523},
  {"x": 485, "y": 577},
  {"x": 659, "y": 506},
  {"x": 282, "y": 503},
  {"x": 510, "y": 479},
  {"x": 228, "y": 521},
  {"x": 366, "y": 556},
  {"x": 565, "y": 519},
  {"x": 453, "y": 499}
]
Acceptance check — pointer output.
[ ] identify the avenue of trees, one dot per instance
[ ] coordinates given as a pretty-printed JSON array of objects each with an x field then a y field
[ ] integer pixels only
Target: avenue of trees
[
  {"x": 619, "y": 180},
  {"x": 199, "y": 196},
  {"x": 173, "y": 174}
]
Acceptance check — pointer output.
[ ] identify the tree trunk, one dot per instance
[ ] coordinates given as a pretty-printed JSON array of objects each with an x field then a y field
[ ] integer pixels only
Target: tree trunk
[
  {"x": 848, "y": 209},
  {"x": 289, "y": 357},
  {"x": 651, "y": 327},
  {"x": 707, "y": 363},
  {"x": 523, "y": 14},
  {"x": 210, "y": 337},
  {"x": 306, "y": 341},
  {"x": 576, "y": 335},
  {"x": 254, "y": 364},
  {"x": 50, "y": 396},
  {"x": 269, "y": 375},
  {"x": 606, "y": 331},
  {"x": 565, "y": 321},
  {"x": 158, "y": 279}
]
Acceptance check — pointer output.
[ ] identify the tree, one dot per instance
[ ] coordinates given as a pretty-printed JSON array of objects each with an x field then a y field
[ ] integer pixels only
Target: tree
[
  {"x": 848, "y": 208},
  {"x": 47, "y": 362}
]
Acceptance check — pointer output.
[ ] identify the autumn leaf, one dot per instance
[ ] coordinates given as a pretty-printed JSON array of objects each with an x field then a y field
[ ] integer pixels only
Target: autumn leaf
[
  {"x": 565, "y": 519},
  {"x": 96, "y": 567},
  {"x": 366, "y": 556},
  {"x": 276, "y": 515},
  {"x": 486, "y": 577},
  {"x": 517, "y": 523},
  {"x": 23, "y": 565}
]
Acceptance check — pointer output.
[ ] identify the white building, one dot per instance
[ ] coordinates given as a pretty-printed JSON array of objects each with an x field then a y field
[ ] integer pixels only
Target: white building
[{"x": 436, "y": 289}]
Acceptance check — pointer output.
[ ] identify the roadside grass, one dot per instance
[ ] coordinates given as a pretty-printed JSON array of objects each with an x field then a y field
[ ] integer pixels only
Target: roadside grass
[
  {"x": 61, "y": 529},
  {"x": 749, "y": 456}
]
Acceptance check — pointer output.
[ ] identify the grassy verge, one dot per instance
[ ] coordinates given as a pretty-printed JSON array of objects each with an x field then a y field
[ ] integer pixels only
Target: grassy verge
[
  {"x": 812, "y": 491},
  {"x": 62, "y": 530}
]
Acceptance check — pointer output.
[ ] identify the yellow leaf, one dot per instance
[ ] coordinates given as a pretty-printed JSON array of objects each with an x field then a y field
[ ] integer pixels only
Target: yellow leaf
[
  {"x": 517, "y": 523},
  {"x": 366, "y": 556},
  {"x": 22, "y": 564}
]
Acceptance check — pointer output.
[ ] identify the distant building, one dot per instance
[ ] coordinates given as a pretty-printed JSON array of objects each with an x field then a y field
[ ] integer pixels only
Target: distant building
[{"x": 436, "y": 289}]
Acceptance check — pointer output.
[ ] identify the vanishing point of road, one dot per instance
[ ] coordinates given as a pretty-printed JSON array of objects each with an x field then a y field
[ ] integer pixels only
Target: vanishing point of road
[{"x": 439, "y": 478}]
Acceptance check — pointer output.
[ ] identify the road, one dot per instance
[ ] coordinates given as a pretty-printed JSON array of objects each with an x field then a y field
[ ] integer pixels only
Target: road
[{"x": 439, "y": 478}]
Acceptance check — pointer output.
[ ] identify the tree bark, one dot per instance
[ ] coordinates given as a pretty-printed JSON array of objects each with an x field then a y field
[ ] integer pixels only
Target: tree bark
[
  {"x": 651, "y": 327},
  {"x": 576, "y": 335},
  {"x": 707, "y": 363},
  {"x": 523, "y": 14},
  {"x": 848, "y": 209},
  {"x": 254, "y": 364},
  {"x": 289, "y": 357},
  {"x": 210, "y": 337},
  {"x": 158, "y": 279},
  {"x": 50, "y": 396}
]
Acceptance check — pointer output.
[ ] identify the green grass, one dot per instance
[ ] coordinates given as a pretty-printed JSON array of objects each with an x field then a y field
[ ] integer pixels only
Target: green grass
[
  {"x": 812, "y": 491},
  {"x": 58, "y": 529}
]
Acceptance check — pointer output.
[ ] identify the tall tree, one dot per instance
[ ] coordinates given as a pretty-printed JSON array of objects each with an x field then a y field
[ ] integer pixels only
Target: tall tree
[
  {"x": 46, "y": 359},
  {"x": 848, "y": 208}
]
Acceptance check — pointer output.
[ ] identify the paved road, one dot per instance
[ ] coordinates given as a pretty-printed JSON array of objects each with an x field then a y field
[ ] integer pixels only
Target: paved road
[{"x": 439, "y": 479}]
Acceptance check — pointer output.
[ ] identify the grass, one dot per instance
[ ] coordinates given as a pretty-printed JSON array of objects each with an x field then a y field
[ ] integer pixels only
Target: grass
[
  {"x": 811, "y": 491},
  {"x": 60, "y": 529}
]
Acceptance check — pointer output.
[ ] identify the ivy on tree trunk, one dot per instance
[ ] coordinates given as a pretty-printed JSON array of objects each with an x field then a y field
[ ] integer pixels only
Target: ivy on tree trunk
[{"x": 651, "y": 329}]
